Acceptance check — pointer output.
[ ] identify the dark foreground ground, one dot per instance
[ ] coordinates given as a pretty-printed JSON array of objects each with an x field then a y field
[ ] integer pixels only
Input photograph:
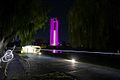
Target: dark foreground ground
[
  {"x": 59, "y": 67},
  {"x": 110, "y": 60}
]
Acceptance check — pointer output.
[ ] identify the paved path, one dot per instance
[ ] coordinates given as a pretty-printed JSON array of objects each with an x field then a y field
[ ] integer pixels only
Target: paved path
[
  {"x": 15, "y": 69},
  {"x": 83, "y": 71}
]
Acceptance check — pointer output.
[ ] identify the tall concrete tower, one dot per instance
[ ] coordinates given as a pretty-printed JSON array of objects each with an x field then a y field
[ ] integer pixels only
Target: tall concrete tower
[{"x": 54, "y": 32}]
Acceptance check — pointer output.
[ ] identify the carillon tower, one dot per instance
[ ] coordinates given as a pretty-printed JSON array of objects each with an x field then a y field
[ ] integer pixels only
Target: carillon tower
[{"x": 54, "y": 32}]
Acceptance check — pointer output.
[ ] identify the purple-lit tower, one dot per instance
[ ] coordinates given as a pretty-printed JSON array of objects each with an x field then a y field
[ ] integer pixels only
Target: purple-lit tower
[{"x": 54, "y": 32}]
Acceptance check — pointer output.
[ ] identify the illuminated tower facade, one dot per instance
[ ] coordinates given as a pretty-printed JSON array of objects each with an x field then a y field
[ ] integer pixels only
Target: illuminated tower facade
[{"x": 54, "y": 32}]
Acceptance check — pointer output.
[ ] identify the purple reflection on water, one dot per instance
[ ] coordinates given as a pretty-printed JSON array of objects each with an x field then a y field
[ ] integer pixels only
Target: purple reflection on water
[{"x": 56, "y": 51}]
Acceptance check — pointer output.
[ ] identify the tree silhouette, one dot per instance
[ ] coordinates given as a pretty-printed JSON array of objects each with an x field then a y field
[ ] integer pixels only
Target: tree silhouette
[
  {"x": 21, "y": 18},
  {"x": 91, "y": 23}
]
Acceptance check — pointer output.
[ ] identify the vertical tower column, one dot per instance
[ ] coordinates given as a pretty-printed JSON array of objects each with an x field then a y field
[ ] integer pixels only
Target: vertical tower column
[
  {"x": 54, "y": 32},
  {"x": 51, "y": 31},
  {"x": 57, "y": 41}
]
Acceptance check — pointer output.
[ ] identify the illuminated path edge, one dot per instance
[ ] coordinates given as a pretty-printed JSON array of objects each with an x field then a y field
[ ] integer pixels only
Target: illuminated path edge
[{"x": 76, "y": 51}]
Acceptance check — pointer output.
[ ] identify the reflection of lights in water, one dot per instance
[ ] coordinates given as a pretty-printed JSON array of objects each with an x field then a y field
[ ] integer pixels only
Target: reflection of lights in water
[{"x": 54, "y": 51}]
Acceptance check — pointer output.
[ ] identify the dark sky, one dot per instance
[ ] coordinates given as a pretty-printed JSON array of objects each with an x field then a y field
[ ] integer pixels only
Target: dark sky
[{"x": 59, "y": 9}]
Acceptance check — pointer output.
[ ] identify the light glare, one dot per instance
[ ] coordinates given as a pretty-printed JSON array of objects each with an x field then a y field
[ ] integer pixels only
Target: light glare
[
  {"x": 31, "y": 49},
  {"x": 73, "y": 61},
  {"x": 54, "y": 38},
  {"x": 39, "y": 53}
]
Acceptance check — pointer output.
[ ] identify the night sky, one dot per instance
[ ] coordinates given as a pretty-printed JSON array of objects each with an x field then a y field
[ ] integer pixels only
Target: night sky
[{"x": 59, "y": 9}]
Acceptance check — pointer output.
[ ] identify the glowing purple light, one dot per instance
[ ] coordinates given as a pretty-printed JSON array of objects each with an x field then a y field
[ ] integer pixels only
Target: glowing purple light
[
  {"x": 54, "y": 32},
  {"x": 51, "y": 31},
  {"x": 54, "y": 51},
  {"x": 54, "y": 38}
]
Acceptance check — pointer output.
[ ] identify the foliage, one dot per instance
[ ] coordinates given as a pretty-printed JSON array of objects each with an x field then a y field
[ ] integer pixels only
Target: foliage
[
  {"x": 91, "y": 23},
  {"x": 22, "y": 18}
]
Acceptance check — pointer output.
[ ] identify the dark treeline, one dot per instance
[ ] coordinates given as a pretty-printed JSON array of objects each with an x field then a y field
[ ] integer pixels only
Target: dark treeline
[
  {"x": 21, "y": 18},
  {"x": 95, "y": 24}
]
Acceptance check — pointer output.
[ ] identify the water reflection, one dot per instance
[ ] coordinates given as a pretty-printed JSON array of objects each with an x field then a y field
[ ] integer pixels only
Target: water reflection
[{"x": 56, "y": 51}]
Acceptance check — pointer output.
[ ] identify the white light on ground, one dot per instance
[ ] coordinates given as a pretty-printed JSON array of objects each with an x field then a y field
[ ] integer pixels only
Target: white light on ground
[
  {"x": 39, "y": 53},
  {"x": 73, "y": 61}
]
